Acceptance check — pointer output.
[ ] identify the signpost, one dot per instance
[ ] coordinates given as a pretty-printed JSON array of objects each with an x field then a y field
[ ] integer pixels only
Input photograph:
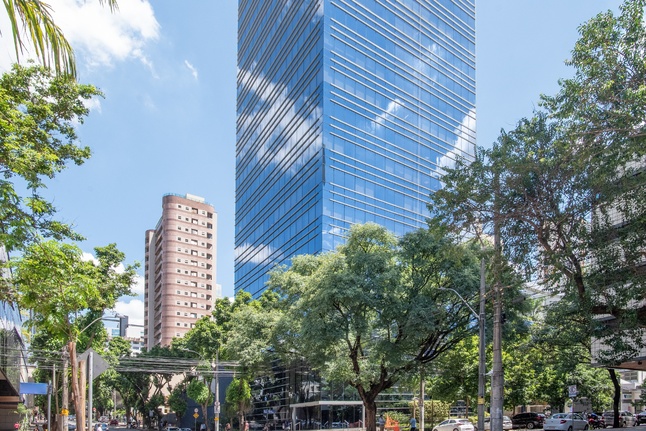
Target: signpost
[
  {"x": 195, "y": 415},
  {"x": 572, "y": 392}
]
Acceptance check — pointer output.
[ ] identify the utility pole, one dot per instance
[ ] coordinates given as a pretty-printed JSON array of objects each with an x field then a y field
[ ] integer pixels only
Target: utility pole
[
  {"x": 481, "y": 346},
  {"x": 421, "y": 397},
  {"x": 497, "y": 377},
  {"x": 216, "y": 406},
  {"x": 481, "y": 349},
  {"x": 65, "y": 401}
]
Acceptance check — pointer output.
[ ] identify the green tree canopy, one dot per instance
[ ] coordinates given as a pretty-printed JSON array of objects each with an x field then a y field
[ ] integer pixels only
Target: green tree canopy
[
  {"x": 38, "y": 116},
  {"x": 371, "y": 312},
  {"x": 64, "y": 292}
]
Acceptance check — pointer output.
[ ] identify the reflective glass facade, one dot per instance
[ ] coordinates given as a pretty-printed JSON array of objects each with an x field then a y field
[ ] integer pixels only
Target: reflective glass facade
[{"x": 347, "y": 111}]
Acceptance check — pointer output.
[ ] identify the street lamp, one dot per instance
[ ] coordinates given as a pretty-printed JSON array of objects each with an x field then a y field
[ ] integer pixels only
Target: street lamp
[
  {"x": 481, "y": 345},
  {"x": 216, "y": 373}
]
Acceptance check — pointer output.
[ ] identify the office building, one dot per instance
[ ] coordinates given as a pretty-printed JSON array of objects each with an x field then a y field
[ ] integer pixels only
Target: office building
[
  {"x": 346, "y": 113},
  {"x": 180, "y": 269}
]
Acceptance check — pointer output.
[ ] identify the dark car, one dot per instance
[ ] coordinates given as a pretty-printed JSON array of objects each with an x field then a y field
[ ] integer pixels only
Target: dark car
[
  {"x": 640, "y": 418},
  {"x": 527, "y": 420},
  {"x": 114, "y": 421}
]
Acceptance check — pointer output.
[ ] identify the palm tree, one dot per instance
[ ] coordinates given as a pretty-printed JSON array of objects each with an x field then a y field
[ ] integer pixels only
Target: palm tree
[{"x": 32, "y": 19}]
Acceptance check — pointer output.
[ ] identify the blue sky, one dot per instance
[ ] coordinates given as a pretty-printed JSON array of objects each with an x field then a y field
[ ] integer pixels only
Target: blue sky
[{"x": 167, "y": 122}]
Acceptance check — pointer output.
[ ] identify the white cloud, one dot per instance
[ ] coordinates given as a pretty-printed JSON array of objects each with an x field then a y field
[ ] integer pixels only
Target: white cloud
[
  {"x": 391, "y": 111},
  {"x": 191, "y": 68},
  {"x": 257, "y": 255},
  {"x": 103, "y": 36},
  {"x": 133, "y": 309},
  {"x": 464, "y": 145}
]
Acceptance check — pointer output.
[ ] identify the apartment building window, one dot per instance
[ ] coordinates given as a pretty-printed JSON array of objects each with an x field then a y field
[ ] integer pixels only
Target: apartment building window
[
  {"x": 179, "y": 206},
  {"x": 179, "y": 314},
  {"x": 179, "y": 292},
  {"x": 194, "y": 253},
  {"x": 194, "y": 221},
  {"x": 178, "y": 324},
  {"x": 193, "y": 295},
  {"x": 194, "y": 315},
  {"x": 194, "y": 231}
]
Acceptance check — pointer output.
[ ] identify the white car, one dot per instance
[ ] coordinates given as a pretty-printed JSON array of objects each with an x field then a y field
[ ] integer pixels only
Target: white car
[
  {"x": 566, "y": 422},
  {"x": 626, "y": 419},
  {"x": 506, "y": 423},
  {"x": 454, "y": 425}
]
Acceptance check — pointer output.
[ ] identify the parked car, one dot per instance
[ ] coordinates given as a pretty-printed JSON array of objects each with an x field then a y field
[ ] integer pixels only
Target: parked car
[
  {"x": 454, "y": 425},
  {"x": 527, "y": 420},
  {"x": 506, "y": 423},
  {"x": 626, "y": 419},
  {"x": 566, "y": 422},
  {"x": 114, "y": 421},
  {"x": 640, "y": 418}
]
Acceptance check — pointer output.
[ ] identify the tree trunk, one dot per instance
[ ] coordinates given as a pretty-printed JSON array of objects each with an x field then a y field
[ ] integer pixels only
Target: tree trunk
[
  {"x": 616, "y": 399},
  {"x": 371, "y": 414},
  {"x": 206, "y": 418},
  {"x": 80, "y": 423}
]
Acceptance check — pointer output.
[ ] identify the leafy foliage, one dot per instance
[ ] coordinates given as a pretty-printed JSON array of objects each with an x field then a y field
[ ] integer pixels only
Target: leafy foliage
[
  {"x": 38, "y": 116},
  {"x": 67, "y": 295},
  {"x": 371, "y": 312},
  {"x": 238, "y": 398}
]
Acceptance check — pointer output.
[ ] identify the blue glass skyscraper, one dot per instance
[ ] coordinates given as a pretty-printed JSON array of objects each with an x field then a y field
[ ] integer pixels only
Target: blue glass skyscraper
[{"x": 347, "y": 111}]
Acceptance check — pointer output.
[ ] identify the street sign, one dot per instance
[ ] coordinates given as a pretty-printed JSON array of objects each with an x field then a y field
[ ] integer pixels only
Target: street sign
[
  {"x": 195, "y": 415},
  {"x": 65, "y": 412},
  {"x": 216, "y": 407},
  {"x": 99, "y": 365},
  {"x": 572, "y": 392}
]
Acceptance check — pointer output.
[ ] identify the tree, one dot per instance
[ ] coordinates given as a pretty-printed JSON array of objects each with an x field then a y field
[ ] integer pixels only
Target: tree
[
  {"x": 62, "y": 291},
  {"x": 568, "y": 186},
  {"x": 201, "y": 394},
  {"x": 177, "y": 400},
  {"x": 238, "y": 397},
  {"x": 371, "y": 312},
  {"x": 46, "y": 38},
  {"x": 39, "y": 113}
]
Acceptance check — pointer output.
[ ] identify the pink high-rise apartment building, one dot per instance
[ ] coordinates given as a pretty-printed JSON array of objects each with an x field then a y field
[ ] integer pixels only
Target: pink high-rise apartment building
[{"x": 180, "y": 270}]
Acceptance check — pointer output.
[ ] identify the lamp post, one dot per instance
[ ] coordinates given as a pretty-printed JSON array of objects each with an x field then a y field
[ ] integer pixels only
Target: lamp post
[
  {"x": 214, "y": 366},
  {"x": 481, "y": 345}
]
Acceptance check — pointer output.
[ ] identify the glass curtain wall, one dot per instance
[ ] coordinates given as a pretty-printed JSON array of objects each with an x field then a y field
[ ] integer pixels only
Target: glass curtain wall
[{"x": 348, "y": 110}]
